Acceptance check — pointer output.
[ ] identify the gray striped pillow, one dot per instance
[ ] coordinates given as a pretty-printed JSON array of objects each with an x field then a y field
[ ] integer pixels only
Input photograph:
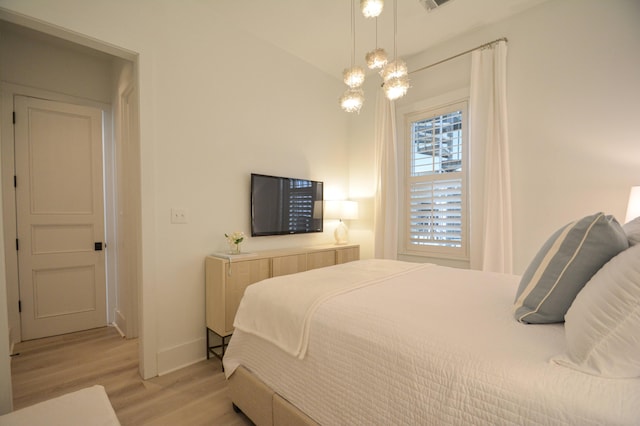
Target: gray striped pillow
[{"x": 564, "y": 264}]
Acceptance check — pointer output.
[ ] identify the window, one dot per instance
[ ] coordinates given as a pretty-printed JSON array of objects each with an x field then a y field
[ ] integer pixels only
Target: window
[{"x": 436, "y": 213}]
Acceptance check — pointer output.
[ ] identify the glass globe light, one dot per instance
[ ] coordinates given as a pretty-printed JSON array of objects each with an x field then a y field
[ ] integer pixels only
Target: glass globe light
[
  {"x": 353, "y": 77},
  {"x": 396, "y": 87},
  {"x": 352, "y": 100},
  {"x": 371, "y": 8},
  {"x": 376, "y": 59},
  {"x": 397, "y": 68}
]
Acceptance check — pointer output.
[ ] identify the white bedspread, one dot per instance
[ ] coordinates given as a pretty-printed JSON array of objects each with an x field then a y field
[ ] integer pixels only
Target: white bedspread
[
  {"x": 280, "y": 309},
  {"x": 440, "y": 348}
]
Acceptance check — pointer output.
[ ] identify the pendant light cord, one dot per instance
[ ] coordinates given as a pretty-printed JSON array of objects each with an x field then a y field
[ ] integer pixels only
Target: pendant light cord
[
  {"x": 353, "y": 34},
  {"x": 395, "y": 33},
  {"x": 376, "y": 32}
]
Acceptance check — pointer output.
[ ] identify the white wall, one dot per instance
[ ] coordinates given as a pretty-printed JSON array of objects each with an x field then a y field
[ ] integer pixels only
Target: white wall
[
  {"x": 215, "y": 105},
  {"x": 246, "y": 108},
  {"x": 573, "y": 84},
  {"x": 40, "y": 63}
]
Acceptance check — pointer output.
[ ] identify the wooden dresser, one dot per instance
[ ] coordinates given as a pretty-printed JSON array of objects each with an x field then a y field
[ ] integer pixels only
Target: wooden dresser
[{"x": 227, "y": 276}]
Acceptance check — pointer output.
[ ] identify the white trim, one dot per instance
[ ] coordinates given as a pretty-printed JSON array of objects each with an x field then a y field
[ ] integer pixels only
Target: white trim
[
  {"x": 434, "y": 102},
  {"x": 181, "y": 356},
  {"x": 120, "y": 322},
  {"x": 66, "y": 34}
]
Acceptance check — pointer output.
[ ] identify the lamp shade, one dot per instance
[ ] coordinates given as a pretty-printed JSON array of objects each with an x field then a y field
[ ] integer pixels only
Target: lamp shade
[
  {"x": 353, "y": 77},
  {"x": 340, "y": 209},
  {"x": 394, "y": 69},
  {"x": 352, "y": 100},
  {"x": 633, "y": 208},
  {"x": 376, "y": 59},
  {"x": 371, "y": 8}
]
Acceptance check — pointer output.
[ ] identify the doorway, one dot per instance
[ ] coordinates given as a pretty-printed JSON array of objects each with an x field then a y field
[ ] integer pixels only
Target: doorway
[{"x": 38, "y": 65}]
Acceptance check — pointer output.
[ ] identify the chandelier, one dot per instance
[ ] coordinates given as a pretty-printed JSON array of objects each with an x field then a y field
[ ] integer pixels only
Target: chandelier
[{"x": 394, "y": 74}]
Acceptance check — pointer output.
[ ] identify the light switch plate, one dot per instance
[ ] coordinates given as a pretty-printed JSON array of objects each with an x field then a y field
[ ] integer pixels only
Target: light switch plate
[{"x": 178, "y": 215}]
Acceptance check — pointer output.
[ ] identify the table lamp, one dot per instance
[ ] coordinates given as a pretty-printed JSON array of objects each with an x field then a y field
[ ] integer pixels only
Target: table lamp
[
  {"x": 633, "y": 208},
  {"x": 341, "y": 210}
]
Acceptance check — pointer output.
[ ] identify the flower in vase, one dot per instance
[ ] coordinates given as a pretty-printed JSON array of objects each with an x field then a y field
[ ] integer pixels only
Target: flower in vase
[
  {"x": 234, "y": 241},
  {"x": 235, "y": 238}
]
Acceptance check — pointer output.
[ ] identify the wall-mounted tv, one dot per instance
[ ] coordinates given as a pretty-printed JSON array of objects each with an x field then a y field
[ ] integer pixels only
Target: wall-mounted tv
[{"x": 281, "y": 205}]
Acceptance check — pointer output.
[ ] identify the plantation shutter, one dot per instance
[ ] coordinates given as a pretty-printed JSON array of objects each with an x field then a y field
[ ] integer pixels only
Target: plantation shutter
[{"x": 436, "y": 213}]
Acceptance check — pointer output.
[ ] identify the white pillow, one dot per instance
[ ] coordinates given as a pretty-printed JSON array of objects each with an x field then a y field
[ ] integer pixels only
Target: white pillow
[
  {"x": 632, "y": 229},
  {"x": 602, "y": 325}
]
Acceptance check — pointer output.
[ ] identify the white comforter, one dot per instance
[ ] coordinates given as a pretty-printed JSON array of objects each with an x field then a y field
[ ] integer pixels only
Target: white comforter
[
  {"x": 280, "y": 309},
  {"x": 440, "y": 348}
]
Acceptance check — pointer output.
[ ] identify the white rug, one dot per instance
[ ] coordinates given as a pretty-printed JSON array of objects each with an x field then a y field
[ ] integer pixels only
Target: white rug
[{"x": 86, "y": 407}]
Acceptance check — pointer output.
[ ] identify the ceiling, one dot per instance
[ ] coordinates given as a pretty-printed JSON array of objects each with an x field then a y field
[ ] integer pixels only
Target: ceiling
[{"x": 319, "y": 31}]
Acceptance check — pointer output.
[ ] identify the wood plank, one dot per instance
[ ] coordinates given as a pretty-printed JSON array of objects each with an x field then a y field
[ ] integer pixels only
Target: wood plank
[{"x": 50, "y": 367}]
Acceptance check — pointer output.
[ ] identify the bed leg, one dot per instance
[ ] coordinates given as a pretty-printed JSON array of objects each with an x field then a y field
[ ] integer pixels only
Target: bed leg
[{"x": 235, "y": 408}]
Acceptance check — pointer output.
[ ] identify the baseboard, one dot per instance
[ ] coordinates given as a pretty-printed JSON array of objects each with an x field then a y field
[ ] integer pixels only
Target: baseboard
[
  {"x": 120, "y": 323},
  {"x": 120, "y": 332},
  {"x": 181, "y": 356},
  {"x": 14, "y": 336}
]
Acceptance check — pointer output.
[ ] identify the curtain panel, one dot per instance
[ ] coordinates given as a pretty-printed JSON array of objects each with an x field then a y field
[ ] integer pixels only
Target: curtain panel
[
  {"x": 490, "y": 181},
  {"x": 385, "y": 216}
]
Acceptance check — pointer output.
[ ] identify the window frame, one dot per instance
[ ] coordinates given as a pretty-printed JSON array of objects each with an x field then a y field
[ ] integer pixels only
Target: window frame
[{"x": 425, "y": 113}]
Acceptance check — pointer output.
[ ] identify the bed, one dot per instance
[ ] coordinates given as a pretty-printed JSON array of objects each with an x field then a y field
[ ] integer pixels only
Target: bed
[{"x": 390, "y": 342}]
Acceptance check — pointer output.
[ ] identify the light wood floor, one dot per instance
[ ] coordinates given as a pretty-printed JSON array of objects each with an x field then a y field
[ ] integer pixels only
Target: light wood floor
[{"x": 194, "y": 395}]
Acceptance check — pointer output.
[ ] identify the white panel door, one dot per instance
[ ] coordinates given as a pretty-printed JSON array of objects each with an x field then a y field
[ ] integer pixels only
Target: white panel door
[{"x": 60, "y": 215}]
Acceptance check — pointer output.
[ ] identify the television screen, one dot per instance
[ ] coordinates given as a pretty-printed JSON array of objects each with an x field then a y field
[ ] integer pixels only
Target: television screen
[{"x": 281, "y": 205}]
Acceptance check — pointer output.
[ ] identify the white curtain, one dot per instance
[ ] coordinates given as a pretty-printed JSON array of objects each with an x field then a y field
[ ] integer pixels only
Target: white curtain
[
  {"x": 385, "y": 213},
  {"x": 490, "y": 197}
]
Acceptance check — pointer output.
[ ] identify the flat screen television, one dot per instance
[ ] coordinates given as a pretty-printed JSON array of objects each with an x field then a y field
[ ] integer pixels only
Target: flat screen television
[{"x": 281, "y": 205}]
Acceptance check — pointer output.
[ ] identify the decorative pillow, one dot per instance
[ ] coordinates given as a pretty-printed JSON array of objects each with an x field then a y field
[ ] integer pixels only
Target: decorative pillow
[
  {"x": 632, "y": 229},
  {"x": 563, "y": 266},
  {"x": 602, "y": 324}
]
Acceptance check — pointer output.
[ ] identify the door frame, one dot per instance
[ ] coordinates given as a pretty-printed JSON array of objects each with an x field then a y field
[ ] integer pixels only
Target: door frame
[
  {"x": 144, "y": 308},
  {"x": 7, "y": 93}
]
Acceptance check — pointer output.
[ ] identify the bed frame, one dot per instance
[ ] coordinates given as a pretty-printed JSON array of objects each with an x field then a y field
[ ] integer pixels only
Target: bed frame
[{"x": 261, "y": 404}]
